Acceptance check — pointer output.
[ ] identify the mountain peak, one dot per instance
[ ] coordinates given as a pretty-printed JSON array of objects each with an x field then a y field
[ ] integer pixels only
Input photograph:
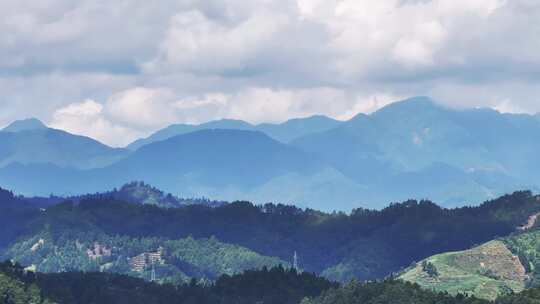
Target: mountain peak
[
  {"x": 416, "y": 102},
  {"x": 25, "y": 125},
  {"x": 410, "y": 105},
  {"x": 313, "y": 119}
]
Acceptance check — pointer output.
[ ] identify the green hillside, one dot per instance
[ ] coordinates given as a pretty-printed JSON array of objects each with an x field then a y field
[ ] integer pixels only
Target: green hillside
[
  {"x": 495, "y": 268},
  {"x": 527, "y": 247},
  {"x": 172, "y": 261},
  {"x": 364, "y": 245},
  {"x": 138, "y": 192},
  {"x": 486, "y": 271},
  {"x": 14, "y": 291},
  {"x": 399, "y": 292}
]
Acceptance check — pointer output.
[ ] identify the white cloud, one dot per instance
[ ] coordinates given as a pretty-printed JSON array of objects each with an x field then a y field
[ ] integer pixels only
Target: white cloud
[
  {"x": 86, "y": 118},
  {"x": 261, "y": 104},
  {"x": 370, "y": 104},
  {"x": 87, "y": 108},
  {"x": 148, "y": 64},
  {"x": 352, "y": 39},
  {"x": 506, "y": 106},
  {"x": 482, "y": 8},
  {"x": 138, "y": 111},
  {"x": 141, "y": 107},
  {"x": 419, "y": 48},
  {"x": 202, "y": 45}
]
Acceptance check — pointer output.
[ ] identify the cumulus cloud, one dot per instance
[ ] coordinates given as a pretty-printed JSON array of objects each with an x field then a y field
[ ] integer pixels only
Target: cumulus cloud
[
  {"x": 86, "y": 118},
  {"x": 261, "y": 104},
  {"x": 370, "y": 104},
  {"x": 193, "y": 39},
  {"x": 141, "y": 107},
  {"x": 133, "y": 113},
  {"x": 149, "y": 64}
]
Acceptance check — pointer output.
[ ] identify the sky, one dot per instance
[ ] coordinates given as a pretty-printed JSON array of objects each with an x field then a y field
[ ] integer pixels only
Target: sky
[{"x": 119, "y": 70}]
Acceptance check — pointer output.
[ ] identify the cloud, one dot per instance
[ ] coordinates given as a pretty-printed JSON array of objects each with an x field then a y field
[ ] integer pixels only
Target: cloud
[
  {"x": 350, "y": 40},
  {"x": 86, "y": 118},
  {"x": 261, "y": 104},
  {"x": 141, "y": 107},
  {"x": 370, "y": 104},
  {"x": 87, "y": 108},
  {"x": 506, "y": 106},
  {"x": 418, "y": 49},
  {"x": 193, "y": 38},
  {"x": 136, "y": 112},
  {"x": 278, "y": 42},
  {"x": 150, "y": 64}
]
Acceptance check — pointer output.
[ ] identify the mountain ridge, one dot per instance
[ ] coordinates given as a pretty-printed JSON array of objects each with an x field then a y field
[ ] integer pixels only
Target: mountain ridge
[
  {"x": 463, "y": 155},
  {"x": 25, "y": 125},
  {"x": 47, "y": 145},
  {"x": 283, "y": 132}
]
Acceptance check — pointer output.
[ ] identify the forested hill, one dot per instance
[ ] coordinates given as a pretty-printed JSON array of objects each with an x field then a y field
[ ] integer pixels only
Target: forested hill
[
  {"x": 145, "y": 194},
  {"x": 365, "y": 244},
  {"x": 392, "y": 292},
  {"x": 272, "y": 286},
  {"x": 269, "y": 286},
  {"x": 136, "y": 192}
]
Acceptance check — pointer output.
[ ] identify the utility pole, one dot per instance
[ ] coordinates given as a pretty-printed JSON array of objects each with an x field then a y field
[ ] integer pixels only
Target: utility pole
[
  {"x": 153, "y": 275},
  {"x": 295, "y": 262}
]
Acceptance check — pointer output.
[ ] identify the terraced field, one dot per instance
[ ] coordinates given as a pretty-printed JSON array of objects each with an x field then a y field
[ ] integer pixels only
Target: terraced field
[{"x": 486, "y": 271}]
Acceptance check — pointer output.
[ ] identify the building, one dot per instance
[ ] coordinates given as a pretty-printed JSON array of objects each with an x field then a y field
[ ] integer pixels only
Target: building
[
  {"x": 146, "y": 259},
  {"x": 98, "y": 251}
]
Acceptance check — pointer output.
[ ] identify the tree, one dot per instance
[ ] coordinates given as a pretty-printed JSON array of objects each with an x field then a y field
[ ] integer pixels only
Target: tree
[{"x": 430, "y": 269}]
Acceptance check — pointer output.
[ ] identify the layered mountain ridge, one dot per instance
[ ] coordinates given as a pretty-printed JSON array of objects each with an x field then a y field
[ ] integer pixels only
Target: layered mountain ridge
[{"x": 409, "y": 149}]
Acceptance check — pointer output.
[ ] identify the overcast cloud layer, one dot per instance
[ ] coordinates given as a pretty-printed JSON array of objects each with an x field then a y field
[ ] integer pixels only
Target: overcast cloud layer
[{"x": 117, "y": 70}]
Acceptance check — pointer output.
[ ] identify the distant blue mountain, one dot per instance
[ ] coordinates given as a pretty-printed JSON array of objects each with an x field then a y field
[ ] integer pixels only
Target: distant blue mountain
[
  {"x": 284, "y": 132},
  {"x": 296, "y": 128},
  {"x": 25, "y": 125},
  {"x": 415, "y": 148},
  {"x": 220, "y": 164},
  {"x": 31, "y": 142},
  {"x": 401, "y": 143},
  {"x": 179, "y": 129},
  {"x": 216, "y": 158}
]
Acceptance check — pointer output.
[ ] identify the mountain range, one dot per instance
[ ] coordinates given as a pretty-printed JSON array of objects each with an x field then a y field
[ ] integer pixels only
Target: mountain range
[
  {"x": 414, "y": 148},
  {"x": 285, "y": 132},
  {"x": 30, "y": 142}
]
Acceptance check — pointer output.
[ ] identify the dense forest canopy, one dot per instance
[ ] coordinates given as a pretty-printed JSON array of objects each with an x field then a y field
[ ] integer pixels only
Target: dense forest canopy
[
  {"x": 273, "y": 286},
  {"x": 269, "y": 286},
  {"x": 365, "y": 244}
]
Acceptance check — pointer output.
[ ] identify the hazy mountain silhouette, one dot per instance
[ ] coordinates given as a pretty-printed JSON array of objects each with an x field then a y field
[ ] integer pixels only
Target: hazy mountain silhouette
[
  {"x": 408, "y": 138},
  {"x": 179, "y": 129},
  {"x": 31, "y": 142},
  {"x": 220, "y": 164},
  {"x": 25, "y": 125},
  {"x": 284, "y": 132},
  {"x": 417, "y": 132},
  {"x": 410, "y": 149},
  {"x": 298, "y": 127},
  {"x": 216, "y": 158}
]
